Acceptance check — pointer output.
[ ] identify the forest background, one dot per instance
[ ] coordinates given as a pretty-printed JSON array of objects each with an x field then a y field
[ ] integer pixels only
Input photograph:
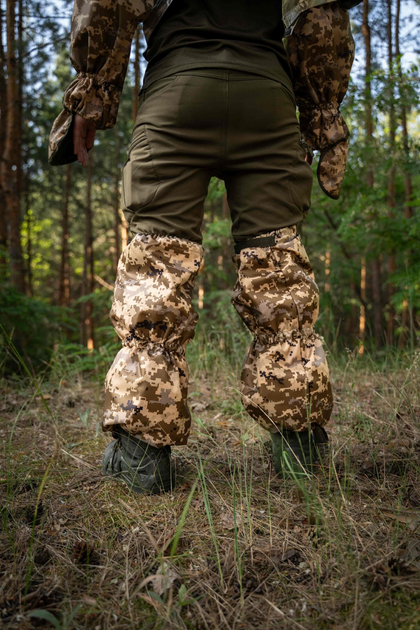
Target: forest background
[
  {"x": 233, "y": 546},
  {"x": 62, "y": 230}
]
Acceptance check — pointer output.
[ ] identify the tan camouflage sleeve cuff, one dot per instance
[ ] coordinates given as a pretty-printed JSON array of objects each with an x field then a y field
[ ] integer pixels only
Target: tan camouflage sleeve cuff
[
  {"x": 93, "y": 98},
  {"x": 321, "y": 53}
]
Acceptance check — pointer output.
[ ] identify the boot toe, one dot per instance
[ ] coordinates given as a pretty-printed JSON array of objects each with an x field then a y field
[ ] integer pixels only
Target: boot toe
[
  {"x": 144, "y": 469},
  {"x": 148, "y": 477},
  {"x": 110, "y": 460}
]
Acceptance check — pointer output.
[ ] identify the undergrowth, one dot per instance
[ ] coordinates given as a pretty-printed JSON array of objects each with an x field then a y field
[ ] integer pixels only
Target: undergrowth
[{"x": 233, "y": 546}]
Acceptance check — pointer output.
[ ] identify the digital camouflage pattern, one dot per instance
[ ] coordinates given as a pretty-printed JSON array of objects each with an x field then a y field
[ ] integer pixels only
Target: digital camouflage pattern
[
  {"x": 147, "y": 385},
  {"x": 285, "y": 378},
  {"x": 321, "y": 52},
  {"x": 102, "y": 32},
  {"x": 292, "y": 9},
  {"x": 101, "y": 35}
]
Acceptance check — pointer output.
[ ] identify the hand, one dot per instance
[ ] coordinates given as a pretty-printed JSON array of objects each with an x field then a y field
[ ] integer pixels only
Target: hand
[{"x": 83, "y": 138}]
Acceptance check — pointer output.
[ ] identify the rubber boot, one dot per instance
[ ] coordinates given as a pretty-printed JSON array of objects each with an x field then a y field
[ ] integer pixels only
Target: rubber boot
[
  {"x": 144, "y": 468},
  {"x": 295, "y": 454}
]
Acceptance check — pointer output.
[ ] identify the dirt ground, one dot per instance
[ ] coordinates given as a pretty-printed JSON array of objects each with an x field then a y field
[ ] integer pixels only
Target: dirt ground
[{"x": 233, "y": 546}]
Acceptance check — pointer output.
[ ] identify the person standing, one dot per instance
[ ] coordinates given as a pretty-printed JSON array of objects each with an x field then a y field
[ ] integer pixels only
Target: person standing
[{"x": 219, "y": 99}]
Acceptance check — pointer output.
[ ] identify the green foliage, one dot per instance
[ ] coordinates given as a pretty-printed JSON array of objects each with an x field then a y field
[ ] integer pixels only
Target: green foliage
[
  {"x": 69, "y": 360},
  {"x": 33, "y": 325},
  {"x": 358, "y": 226},
  {"x": 66, "y": 622}
]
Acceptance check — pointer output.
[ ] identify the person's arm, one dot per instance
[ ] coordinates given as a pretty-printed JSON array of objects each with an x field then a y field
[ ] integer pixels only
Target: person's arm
[
  {"x": 101, "y": 36},
  {"x": 83, "y": 138},
  {"x": 320, "y": 47},
  {"x": 292, "y": 9}
]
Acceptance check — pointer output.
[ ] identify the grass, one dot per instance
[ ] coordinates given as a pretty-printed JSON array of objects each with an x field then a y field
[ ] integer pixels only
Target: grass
[{"x": 233, "y": 547}]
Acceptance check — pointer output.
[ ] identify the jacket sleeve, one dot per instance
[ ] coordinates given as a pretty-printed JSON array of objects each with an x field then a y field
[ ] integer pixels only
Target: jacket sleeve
[
  {"x": 321, "y": 52},
  {"x": 292, "y": 9},
  {"x": 101, "y": 36}
]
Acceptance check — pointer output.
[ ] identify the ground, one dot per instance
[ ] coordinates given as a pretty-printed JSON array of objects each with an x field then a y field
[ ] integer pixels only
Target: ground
[{"x": 233, "y": 546}]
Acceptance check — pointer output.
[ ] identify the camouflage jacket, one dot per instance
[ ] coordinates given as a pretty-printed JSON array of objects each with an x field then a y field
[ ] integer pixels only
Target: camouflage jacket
[{"x": 101, "y": 36}]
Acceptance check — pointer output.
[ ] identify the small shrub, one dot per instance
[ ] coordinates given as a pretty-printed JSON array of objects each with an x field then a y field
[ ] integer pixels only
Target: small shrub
[{"x": 32, "y": 325}]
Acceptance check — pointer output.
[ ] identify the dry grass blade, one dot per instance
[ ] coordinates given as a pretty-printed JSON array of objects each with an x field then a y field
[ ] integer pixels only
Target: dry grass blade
[
  {"x": 410, "y": 518},
  {"x": 162, "y": 580},
  {"x": 139, "y": 519},
  {"x": 284, "y": 616},
  {"x": 234, "y": 546}
]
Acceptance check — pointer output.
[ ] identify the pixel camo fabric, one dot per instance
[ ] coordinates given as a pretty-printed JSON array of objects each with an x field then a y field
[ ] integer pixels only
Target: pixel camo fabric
[
  {"x": 321, "y": 53},
  {"x": 285, "y": 378},
  {"x": 147, "y": 385}
]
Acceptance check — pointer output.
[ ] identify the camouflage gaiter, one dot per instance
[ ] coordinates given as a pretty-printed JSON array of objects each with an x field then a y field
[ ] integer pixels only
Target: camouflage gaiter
[
  {"x": 285, "y": 378},
  {"x": 147, "y": 385}
]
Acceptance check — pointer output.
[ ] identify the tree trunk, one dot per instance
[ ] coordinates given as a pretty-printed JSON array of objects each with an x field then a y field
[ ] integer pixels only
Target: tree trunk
[
  {"x": 124, "y": 231},
  {"x": 12, "y": 156},
  {"x": 136, "y": 91},
  {"x": 327, "y": 269},
  {"x": 376, "y": 265},
  {"x": 368, "y": 87},
  {"x": 117, "y": 251},
  {"x": 3, "y": 125},
  {"x": 352, "y": 323},
  {"x": 391, "y": 174},
  {"x": 408, "y": 185},
  {"x": 88, "y": 266},
  {"x": 117, "y": 198},
  {"x": 408, "y": 208},
  {"x": 19, "y": 103},
  {"x": 376, "y": 274},
  {"x": 64, "y": 282},
  {"x": 28, "y": 214},
  {"x": 362, "y": 315}
]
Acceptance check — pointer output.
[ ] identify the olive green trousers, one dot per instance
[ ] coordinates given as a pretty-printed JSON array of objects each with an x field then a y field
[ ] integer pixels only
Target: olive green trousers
[
  {"x": 197, "y": 124},
  {"x": 242, "y": 128}
]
